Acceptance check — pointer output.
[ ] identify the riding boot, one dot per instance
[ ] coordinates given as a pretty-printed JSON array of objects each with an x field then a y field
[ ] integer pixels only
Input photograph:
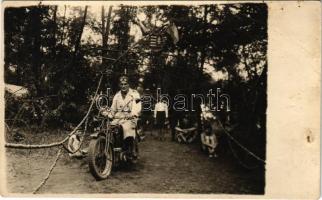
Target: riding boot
[
  {"x": 129, "y": 143},
  {"x": 127, "y": 147},
  {"x": 133, "y": 149}
]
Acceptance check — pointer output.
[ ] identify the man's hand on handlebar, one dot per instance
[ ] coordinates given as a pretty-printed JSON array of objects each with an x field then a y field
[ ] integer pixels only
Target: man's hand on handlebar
[
  {"x": 106, "y": 112},
  {"x": 111, "y": 116},
  {"x": 130, "y": 117}
]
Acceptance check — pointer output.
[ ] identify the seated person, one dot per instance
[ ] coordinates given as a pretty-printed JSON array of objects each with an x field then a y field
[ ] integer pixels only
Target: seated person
[
  {"x": 125, "y": 112},
  {"x": 209, "y": 139},
  {"x": 186, "y": 129}
]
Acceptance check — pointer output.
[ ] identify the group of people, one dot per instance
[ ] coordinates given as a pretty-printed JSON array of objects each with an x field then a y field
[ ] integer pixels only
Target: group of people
[{"x": 184, "y": 127}]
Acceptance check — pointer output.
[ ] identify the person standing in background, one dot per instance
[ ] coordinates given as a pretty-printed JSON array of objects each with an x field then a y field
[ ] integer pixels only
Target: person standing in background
[{"x": 160, "y": 116}]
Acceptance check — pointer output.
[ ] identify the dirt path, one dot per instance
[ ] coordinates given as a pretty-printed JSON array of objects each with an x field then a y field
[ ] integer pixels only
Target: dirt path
[{"x": 164, "y": 167}]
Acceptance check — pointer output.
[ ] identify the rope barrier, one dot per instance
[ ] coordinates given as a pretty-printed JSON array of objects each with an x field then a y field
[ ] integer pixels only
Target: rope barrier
[
  {"x": 240, "y": 145},
  {"x": 35, "y": 146},
  {"x": 54, "y": 144},
  {"x": 85, "y": 119},
  {"x": 246, "y": 166},
  {"x": 24, "y": 146},
  {"x": 59, "y": 153}
]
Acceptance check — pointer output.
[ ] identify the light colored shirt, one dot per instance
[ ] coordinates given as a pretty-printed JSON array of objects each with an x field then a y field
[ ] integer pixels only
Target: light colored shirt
[
  {"x": 122, "y": 107},
  {"x": 161, "y": 107}
]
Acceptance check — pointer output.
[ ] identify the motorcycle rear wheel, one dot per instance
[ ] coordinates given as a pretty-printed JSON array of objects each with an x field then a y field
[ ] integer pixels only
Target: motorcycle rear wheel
[{"x": 100, "y": 162}]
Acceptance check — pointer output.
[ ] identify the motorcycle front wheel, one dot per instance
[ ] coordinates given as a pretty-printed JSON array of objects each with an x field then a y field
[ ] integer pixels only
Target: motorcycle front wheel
[{"x": 100, "y": 160}]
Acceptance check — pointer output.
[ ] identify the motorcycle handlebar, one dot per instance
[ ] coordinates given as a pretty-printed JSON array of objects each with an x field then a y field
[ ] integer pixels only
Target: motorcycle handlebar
[{"x": 127, "y": 118}]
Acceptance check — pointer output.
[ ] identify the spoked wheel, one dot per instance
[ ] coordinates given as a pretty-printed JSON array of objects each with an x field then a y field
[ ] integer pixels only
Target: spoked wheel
[{"x": 100, "y": 160}]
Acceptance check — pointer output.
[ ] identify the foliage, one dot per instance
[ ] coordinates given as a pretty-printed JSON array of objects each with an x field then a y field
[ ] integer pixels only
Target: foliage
[{"x": 58, "y": 50}]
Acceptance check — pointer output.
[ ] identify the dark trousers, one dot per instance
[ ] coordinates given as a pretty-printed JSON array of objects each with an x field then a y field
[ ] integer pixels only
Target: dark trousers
[{"x": 173, "y": 124}]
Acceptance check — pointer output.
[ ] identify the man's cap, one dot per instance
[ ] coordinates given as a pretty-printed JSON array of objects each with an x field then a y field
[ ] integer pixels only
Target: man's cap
[{"x": 124, "y": 79}]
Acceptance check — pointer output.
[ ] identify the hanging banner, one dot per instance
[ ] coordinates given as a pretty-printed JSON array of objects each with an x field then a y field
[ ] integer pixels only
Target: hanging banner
[{"x": 172, "y": 30}]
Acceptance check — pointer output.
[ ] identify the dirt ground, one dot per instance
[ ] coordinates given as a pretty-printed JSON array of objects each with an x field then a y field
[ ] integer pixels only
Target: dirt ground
[{"x": 163, "y": 167}]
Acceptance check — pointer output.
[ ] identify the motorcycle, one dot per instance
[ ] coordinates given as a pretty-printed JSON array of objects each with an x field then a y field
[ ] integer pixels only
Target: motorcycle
[{"x": 108, "y": 149}]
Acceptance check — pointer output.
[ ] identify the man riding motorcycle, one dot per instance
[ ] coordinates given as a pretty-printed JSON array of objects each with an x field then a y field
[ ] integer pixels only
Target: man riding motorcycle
[{"x": 125, "y": 111}]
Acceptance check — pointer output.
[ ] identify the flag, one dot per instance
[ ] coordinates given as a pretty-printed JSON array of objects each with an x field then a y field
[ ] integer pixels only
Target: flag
[
  {"x": 173, "y": 32},
  {"x": 143, "y": 28}
]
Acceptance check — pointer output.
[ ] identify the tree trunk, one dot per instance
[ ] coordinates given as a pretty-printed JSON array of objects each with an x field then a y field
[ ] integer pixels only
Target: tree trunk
[
  {"x": 105, "y": 32},
  {"x": 63, "y": 28},
  {"x": 54, "y": 32},
  {"x": 35, "y": 27},
  {"x": 36, "y": 59},
  {"x": 78, "y": 40},
  {"x": 103, "y": 24},
  {"x": 203, "y": 50}
]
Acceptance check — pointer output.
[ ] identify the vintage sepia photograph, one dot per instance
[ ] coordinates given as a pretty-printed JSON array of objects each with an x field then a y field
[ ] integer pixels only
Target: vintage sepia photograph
[{"x": 120, "y": 99}]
